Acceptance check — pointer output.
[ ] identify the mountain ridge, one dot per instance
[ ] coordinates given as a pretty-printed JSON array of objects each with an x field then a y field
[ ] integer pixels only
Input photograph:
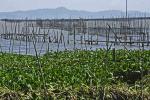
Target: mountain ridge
[{"x": 62, "y": 12}]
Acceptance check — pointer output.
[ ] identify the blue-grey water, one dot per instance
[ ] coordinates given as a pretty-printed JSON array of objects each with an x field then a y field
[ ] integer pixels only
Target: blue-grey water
[{"x": 31, "y": 48}]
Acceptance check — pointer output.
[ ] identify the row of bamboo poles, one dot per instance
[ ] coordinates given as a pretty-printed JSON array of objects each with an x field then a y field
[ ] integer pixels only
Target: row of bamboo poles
[{"x": 85, "y": 32}]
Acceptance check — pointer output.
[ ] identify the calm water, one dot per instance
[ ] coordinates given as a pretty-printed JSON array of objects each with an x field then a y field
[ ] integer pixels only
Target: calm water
[{"x": 21, "y": 47}]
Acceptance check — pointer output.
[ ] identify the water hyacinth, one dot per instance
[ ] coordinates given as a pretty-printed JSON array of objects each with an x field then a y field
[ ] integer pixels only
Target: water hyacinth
[{"x": 76, "y": 75}]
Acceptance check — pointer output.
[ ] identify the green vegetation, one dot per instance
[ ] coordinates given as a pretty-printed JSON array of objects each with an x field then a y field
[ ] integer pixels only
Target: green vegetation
[{"x": 76, "y": 75}]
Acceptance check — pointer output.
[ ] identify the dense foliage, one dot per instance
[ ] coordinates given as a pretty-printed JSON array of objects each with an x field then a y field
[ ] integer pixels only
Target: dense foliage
[{"x": 76, "y": 75}]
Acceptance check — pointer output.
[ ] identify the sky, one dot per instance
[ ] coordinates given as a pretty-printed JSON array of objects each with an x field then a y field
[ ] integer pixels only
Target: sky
[{"x": 87, "y": 5}]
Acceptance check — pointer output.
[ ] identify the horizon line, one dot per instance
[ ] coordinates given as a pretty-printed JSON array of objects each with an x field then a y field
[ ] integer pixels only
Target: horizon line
[{"x": 70, "y": 10}]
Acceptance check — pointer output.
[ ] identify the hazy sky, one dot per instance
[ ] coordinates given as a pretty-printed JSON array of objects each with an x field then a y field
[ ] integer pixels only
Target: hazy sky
[{"x": 89, "y": 5}]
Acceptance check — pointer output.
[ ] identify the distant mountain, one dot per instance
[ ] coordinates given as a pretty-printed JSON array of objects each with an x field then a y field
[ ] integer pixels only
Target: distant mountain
[{"x": 62, "y": 12}]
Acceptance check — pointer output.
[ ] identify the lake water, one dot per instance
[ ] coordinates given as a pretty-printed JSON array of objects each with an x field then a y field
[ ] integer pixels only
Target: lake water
[{"x": 29, "y": 48}]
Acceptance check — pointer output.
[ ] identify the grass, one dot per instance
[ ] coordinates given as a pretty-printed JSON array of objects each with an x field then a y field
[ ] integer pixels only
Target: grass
[{"x": 76, "y": 74}]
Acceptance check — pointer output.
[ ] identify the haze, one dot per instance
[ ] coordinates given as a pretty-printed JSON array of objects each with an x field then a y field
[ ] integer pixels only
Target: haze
[{"x": 88, "y": 5}]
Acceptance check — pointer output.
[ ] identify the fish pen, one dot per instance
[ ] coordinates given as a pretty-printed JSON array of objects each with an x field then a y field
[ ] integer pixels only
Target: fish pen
[{"x": 19, "y": 35}]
